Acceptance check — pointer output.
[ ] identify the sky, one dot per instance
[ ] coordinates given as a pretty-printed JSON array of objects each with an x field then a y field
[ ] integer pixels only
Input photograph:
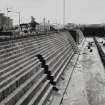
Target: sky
[{"x": 77, "y": 11}]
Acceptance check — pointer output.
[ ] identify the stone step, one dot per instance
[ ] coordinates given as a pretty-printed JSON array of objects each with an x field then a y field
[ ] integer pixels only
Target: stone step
[
  {"x": 59, "y": 68},
  {"x": 35, "y": 99},
  {"x": 54, "y": 59},
  {"x": 58, "y": 61},
  {"x": 20, "y": 90},
  {"x": 63, "y": 68},
  {"x": 32, "y": 92},
  {"x": 51, "y": 55},
  {"x": 27, "y": 71},
  {"x": 18, "y": 65},
  {"x": 44, "y": 99}
]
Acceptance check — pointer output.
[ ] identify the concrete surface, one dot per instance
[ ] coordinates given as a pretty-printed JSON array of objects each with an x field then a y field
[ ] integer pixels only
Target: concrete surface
[{"x": 87, "y": 86}]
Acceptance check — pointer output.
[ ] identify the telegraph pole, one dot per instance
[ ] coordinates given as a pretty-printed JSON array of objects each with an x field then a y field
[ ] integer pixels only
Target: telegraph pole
[
  {"x": 64, "y": 12},
  {"x": 7, "y": 19},
  {"x": 44, "y": 23},
  {"x": 19, "y": 18}
]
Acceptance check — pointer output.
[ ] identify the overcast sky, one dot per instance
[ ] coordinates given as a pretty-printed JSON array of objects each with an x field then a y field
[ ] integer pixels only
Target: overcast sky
[{"x": 78, "y": 11}]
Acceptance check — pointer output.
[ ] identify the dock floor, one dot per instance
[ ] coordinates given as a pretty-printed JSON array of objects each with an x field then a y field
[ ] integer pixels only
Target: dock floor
[{"x": 87, "y": 86}]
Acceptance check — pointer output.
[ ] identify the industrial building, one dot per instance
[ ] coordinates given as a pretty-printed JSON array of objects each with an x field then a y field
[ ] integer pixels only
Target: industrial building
[{"x": 5, "y": 22}]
